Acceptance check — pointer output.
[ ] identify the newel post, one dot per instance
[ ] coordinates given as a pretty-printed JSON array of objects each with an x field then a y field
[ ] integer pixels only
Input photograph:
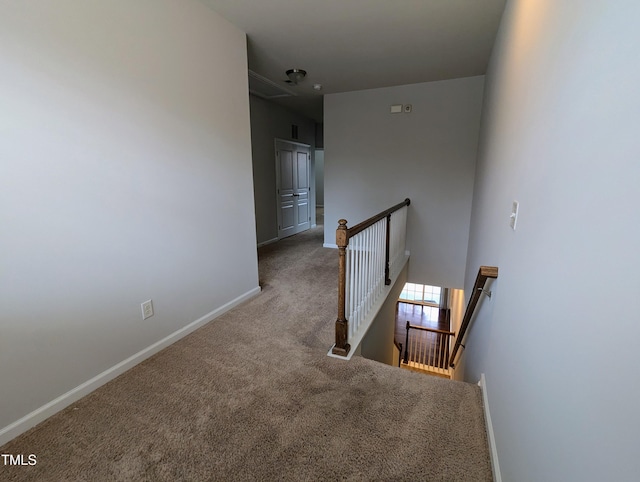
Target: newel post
[
  {"x": 406, "y": 344},
  {"x": 342, "y": 324}
]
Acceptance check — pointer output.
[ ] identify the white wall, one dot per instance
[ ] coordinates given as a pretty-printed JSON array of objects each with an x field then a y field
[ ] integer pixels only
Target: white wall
[
  {"x": 268, "y": 122},
  {"x": 457, "y": 306},
  {"x": 319, "y": 177},
  {"x": 374, "y": 159},
  {"x": 378, "y": 344},
  {"x": 125, "y": 145},
  {"x": 560, "y": 135}
]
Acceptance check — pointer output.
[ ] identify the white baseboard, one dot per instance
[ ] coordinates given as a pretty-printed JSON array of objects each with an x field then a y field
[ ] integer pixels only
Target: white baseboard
[
  {"x": 330, "y": 245},
  {"x": 493, "y": 451},
  {"x": 54, "y": 406},
  {"x": 269, "y": 241}
]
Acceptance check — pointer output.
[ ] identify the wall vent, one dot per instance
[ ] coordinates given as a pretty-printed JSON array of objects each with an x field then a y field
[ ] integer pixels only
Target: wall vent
[{"x": 265, "y": 88}]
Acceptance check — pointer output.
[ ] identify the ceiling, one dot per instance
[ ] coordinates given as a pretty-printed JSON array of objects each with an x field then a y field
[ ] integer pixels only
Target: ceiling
[{"x": 350, "y": 45}]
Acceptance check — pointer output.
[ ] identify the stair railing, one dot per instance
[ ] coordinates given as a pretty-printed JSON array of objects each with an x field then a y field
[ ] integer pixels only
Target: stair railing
[
  {"x": 427, "y": 349},
  {"x": 484, "y": 273},
  {"x": 370, "y": 255}
]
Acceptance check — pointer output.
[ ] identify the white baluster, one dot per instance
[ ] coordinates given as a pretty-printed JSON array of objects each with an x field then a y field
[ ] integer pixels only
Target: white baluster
[
  {"x": 355, "y": 282},
  {"x": 425, "y": 347},
  {"x": 372, "y": 261},
  {"x": 393, "y": 244},
  {"x": 369, "y": 252},
  {"x": 380, "y": 249},
  {"x": 431, "y": 349},
  {"x": 378, "y": 226},
  {"x": 377, "y": 260},
  {"x": 347, "y": 288},
  {"x": 414, "y": 348},
  {"x": 352, "y": 283},
  {"x": 367, "y": 270},
  {"x": 360, "y": 269}
]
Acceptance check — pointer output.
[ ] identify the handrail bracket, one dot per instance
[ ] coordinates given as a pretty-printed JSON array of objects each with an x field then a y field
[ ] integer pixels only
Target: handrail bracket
[{"x": 486, "y": 292}]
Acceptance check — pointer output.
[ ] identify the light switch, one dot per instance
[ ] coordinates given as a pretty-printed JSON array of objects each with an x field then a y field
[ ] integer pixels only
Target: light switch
[
  {"x": 396, "y": 109},
  {"x": 514, "y": 214}
]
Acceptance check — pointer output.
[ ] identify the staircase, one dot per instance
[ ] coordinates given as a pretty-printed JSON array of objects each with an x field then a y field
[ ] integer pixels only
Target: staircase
[
  {"x": 432, "y": 351},
  {"x": 427, "y": 350}
]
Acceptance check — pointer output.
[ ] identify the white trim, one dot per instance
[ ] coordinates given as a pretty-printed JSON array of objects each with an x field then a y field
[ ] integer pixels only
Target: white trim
[
  {"x": 47, "y": 410},
  {"x": 366, "y": 323},
  {"x": 302, "y": 144},
  {"x": 330, "y": 245},
  {"x": 493, "y": 451},
  {"x": 269, "y": 241},
  {"x": 264, "y": 80}
]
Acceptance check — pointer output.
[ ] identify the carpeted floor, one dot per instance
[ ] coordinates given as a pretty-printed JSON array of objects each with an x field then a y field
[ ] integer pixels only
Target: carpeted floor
[{"x": 253, "y": 396}]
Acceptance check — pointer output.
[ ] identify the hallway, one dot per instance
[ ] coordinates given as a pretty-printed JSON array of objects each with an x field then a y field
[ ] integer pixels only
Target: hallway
[{"x": 253, "y": 396}]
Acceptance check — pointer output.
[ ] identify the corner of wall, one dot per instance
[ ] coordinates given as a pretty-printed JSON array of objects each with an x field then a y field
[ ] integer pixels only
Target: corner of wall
[{"x": 30, "y": 420}]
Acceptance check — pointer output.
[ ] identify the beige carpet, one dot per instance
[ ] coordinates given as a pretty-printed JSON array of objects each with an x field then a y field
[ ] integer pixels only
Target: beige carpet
[{"x": 253, "y": 396}]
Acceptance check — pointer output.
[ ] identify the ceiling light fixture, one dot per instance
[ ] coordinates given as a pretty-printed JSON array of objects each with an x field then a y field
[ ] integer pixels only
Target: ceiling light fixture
[{"x": 295, "y": 76}]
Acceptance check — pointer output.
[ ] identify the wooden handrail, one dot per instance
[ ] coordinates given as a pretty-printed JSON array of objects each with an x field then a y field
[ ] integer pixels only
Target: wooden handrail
[
  {"x": 374, "y": 219},
  {"x": 342, "y": 241},
  {"x": 484, "y": 273},
  {"x": 431, "y": 330}
]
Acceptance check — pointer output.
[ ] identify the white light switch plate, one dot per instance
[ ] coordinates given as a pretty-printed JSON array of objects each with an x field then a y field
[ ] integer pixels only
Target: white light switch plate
[{"x": 514, "y": 214}]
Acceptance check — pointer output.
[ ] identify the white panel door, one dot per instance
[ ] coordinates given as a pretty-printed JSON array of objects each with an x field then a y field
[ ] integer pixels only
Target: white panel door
[
  {"x": 286, "y": 206},
  {"x": 301, "y": 194},
  {"x": 293, "y": 188}
]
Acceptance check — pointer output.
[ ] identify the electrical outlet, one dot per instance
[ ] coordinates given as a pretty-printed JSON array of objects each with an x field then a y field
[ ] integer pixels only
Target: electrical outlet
[{"x": 147, "y": 309}]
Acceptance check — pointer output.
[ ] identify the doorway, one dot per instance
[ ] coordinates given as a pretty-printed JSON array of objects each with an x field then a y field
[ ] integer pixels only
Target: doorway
[{"x": 293, "y": 188}]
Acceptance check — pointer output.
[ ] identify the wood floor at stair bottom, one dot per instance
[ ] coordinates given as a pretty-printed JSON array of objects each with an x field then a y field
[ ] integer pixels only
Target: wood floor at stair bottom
[
  {"x": 418, "y": 315},
  {"x": 411, "y": 367}
]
